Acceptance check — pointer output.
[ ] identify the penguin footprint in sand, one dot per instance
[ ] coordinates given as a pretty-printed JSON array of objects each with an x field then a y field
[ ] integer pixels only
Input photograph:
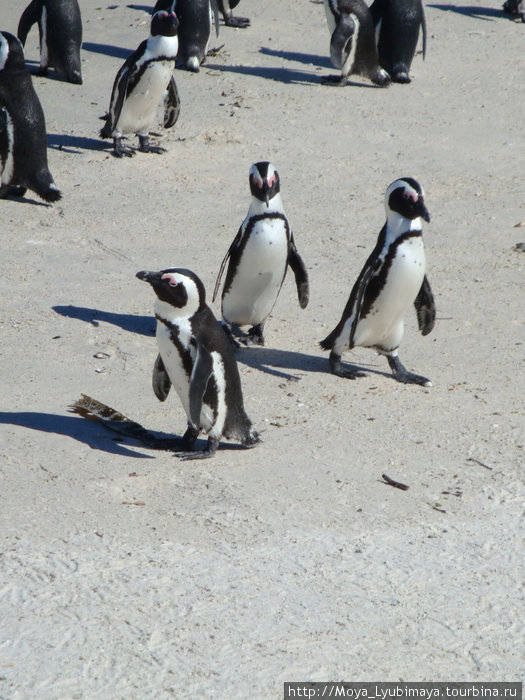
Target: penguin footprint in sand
[
  {"x": 144, "y": 79},
  {"x": 197, "y": 358},
  {"x": 23, "y": 138},
  {"x": 259, "y": 258},
  {"x": 392, "y": 279}
]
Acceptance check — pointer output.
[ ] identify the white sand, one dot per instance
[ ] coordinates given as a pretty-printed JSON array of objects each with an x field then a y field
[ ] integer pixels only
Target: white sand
[{"x": 130, "y": 574}]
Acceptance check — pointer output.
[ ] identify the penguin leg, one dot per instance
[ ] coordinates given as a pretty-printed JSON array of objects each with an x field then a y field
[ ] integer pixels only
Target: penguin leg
[
  {"x": 146, "y": 147},
  {"x": 208, "y": 451},
  {"x": 337, "y": 80},
  {"x": 255, "y": 335},
  {"x": 403, "y": 375},
  {"x": 119, "y": 150},
  {"x": 338, "y": 369}
]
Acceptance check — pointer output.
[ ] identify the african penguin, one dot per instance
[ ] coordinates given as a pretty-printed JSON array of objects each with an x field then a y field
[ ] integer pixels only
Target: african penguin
[
  {"x": 197, "y": 358},
  {"x": 392, "y": 279},
  {"x": 352, "y": 43},
  {"x": 60, "y": 30},
  {"x": 23, "y": 138},
  {"x": 516, "y": 8},
  {"x": 195, "y": 23},
  {"x": 259, "y": 258},
  {"x": 397, "y": 24},
  {"x": 226, "y": 7},
  {"x": 142, "y": 81}
]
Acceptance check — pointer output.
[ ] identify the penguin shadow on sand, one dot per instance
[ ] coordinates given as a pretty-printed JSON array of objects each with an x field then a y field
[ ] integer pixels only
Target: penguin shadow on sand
[
  {"x": 486, "y": 14},
  {"x": 74, "y": 144},
  {"x": 142, "y": 325},
  {"x": 287, "y": 76},
  {"x": 107, "y": 50},
  {"x": 88, "y": 432}
]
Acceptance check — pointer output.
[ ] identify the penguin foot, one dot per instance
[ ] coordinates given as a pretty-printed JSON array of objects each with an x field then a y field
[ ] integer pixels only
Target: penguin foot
[
  {"x": 119, "y": 150},
  {"x": 382, "y": 78},
  {"x": 146, "y": 147},
  {"x": 16, "y": 191},
  {"x": 238, "y": 22},
  {"x": 251, "y": 439},
  {"x": 208, "y": 451},
  {"x": 337, "y": 80},
  {"x": 404, "y": 376},
  {"x": 401, "y": 77},
  {"x": 255, "y": 335},
  {"x": 337, "y": 368}
]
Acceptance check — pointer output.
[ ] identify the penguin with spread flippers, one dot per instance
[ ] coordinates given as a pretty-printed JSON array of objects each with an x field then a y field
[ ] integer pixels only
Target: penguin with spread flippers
[
  {"x": 142, "y": 82},
  {"x": 197, "y": 359},
  {"x": 392, "y": 279},
  {"x": 23, "y": 137}
]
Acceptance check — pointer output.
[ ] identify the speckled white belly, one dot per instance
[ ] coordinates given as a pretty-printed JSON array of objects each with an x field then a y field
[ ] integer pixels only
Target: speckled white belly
[
  {"x": 259, "y": 276},
  {"x": 140, "y": 108}
]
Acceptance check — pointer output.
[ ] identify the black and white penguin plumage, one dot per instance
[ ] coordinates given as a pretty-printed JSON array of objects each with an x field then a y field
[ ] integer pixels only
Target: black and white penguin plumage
[
  {"x": 352, "y": 42},
  {"x": 226, "y": 7},
  {"x": 196, "y": 357},
  {"x": 392, "y": 279},
  {"x": 515, "y": 8},
  {"x": 143, "y": 80},
  {"x": 60, "y": 29},
  {"x": 196, "y": 18},
  {"x": 259, "y": 258},
  {"x": 397, "y": 24},
  {"x": 23, "y": 138}
]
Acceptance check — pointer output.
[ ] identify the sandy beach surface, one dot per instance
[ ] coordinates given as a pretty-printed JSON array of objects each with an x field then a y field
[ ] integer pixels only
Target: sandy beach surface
[{"x": 127, "y": 573}]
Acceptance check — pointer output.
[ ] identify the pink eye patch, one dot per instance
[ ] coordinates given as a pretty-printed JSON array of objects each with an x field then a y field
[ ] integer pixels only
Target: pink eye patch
[{"x": 171, "y": 279}]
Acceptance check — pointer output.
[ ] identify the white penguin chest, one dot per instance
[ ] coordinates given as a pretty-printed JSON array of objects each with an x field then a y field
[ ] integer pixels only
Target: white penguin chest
[
  {"x": 173, "y": 359},
  {"x": 140, "y": 107},
  {"x": 259, "y": 275}
]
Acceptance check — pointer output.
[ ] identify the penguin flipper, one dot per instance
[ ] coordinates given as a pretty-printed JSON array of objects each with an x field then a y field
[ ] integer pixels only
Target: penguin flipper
[
  {"x": 234, "y": 245},
  {"x": 160, "y": 380},
  {"x": 215, "y": 8},
  {"x": 118, "y": 95},
  {"x": 171, "y": 104},
  {"x": 301, "y": 275},
  {"x": 199, "y": 379},
  {"x": 30, "y": 16},
  {"x": 425, "y": 308},
  {"x": 424, "y": 30},
  {"x": 341, "y": 41}
]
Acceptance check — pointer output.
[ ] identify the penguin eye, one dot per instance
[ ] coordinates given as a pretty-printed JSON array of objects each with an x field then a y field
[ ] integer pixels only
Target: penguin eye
[{"x": 172, "y": 283}]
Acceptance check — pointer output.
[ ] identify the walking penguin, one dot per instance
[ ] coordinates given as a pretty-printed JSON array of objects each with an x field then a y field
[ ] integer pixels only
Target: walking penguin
[
  {"x": 258, "y": 258},
  {"x": 142, "y": 81},
  {"x": 23, "y": 138},
  {"x": 197, "y": 358},
  {"x": 392, "y": 279}
]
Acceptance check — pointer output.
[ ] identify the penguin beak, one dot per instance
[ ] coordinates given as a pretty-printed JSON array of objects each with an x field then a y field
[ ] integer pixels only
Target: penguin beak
[
  {"x": 422, "y": 210},
  {"x": 147, "y": 276},
  {"x": 267, "y": 199}
]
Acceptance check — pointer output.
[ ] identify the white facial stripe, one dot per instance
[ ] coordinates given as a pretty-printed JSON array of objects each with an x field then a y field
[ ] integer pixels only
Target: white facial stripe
[{"x": 4, "y": 51}]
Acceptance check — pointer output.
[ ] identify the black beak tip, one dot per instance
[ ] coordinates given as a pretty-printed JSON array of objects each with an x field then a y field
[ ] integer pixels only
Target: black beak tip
[{"x": 142, "y": 275}]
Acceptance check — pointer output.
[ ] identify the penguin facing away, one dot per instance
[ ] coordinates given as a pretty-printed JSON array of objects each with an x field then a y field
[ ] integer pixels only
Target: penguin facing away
[
  {"x": 352, "y": 42},
  {"x": 392, "y": 279},
  {"x": 195, "y": 23},
  {"x": 226, "y": 8},
  {"x": 23, "y": 138},
  {"x": 259, "y": 257},
  {"x": 142, "y": 81},
  {"x": 397, "y": 24},
  {"x": 60, "y": 30},
  {"x": 196, "y": 357}
]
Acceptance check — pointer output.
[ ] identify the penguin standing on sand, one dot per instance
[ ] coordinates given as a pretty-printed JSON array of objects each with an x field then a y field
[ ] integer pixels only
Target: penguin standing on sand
[
  {"x": 60, "y": 29},
  {"x": 196, "y": 357},
  {"x": 352, "y": 44},
  {"x": 259, "y": 258},
  {"x": 195, "y": 24},
  {"x": 23, "y": 138},
  {"x": 392, "y": 279},
  {"x": 397, "y": 24},
  {"x": 142, "y": 81}
]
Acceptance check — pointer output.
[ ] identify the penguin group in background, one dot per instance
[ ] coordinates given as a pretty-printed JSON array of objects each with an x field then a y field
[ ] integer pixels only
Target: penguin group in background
[
  {"x": 226, "y": 7},
  {"x": 197, "y": 358},
  {"x": 392, "y": 279},
  {"x": 352, "y": 42},
  {"x": 195, "y": 24},
  {"x": 259, "y": 258},
  {"x": 142, "y": 81},
  {"x": 23, "y": 138},
  {"x": 60, "y": 29},
  {"x": 397, "y": 24}
]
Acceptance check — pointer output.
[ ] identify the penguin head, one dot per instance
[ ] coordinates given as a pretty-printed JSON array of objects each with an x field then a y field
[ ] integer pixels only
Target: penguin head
[
  {"x": 181, "y": 290},
  {"x": 264, "y": 181},
  {"x": 164, "y": 23},
  {"x": 406, "y": 197},
  {"x": 11, "y": 53}
]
